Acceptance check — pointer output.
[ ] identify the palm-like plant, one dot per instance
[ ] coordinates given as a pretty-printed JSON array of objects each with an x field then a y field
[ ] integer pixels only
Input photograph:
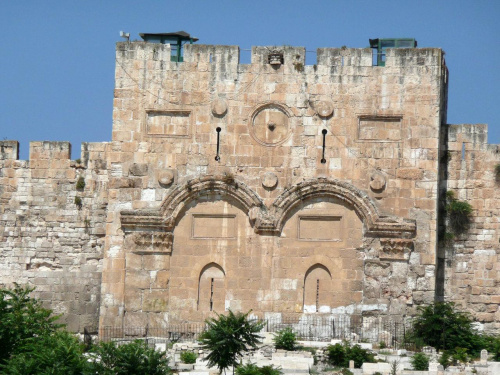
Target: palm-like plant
[{"x": 227, "y": 337}]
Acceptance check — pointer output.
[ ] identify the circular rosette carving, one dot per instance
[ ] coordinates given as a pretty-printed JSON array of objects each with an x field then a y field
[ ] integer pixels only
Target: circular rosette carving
[
  {"x": 270, "y": 124},
  {"x": 324, "y": 108},
  {"x": 377, "y": 181},
  {"x": 219, "y": 107},
  {"x": 269, "y": 180}
]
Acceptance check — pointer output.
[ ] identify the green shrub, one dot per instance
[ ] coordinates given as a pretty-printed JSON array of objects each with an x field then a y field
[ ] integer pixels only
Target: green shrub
[
  {"x": 497, "y": 173},
  {"x": 459, "y": 213},
  {"x": 252, "y": 369},
  {"x": 459, "y": 355},
  {"x": 420, "y": 362},
  {"x": 227, "y": 337},
  {"x": 345, "y": 371},
  {"x": 248, "y": 369},
  {"x": 22, "y": 318},
  {"x": 394, "y": 367},
  {"x": 270, "y": 370},
  {"x": 285, "y": 339},
  {"x": 188, "y": 357},
  {"x": 80, "y": 184},
  {"x": 336, "y": 355},
  {"x": 440, "y": 325},
  {"x": 341, "y": 354},
  {"x": 59, "y": 353},
  {"x": 445, "y": 359},
  {"x": 382, "y": 345},
  {"x": 127, "y": 359},
  {"x": 78, "y": 202},
  {"x": 492, "y": 345}
]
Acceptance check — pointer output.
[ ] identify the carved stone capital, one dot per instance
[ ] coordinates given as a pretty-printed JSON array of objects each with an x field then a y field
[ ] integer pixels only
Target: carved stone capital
[
  {"x": 149, "y": 242},
  {"x": 266, "y": 224},
  {"x": 395, "y": 249},
  {"x": 151, "y": 220}
]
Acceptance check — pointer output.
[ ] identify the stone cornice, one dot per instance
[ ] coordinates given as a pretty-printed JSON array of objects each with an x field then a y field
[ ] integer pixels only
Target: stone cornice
[
  {"x": 142, "y": 220},
  {"x": 268, "y": 221}
]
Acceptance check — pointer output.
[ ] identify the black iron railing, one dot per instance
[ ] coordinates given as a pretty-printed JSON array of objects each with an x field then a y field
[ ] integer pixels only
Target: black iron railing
[{"x": 353, "y": 328}]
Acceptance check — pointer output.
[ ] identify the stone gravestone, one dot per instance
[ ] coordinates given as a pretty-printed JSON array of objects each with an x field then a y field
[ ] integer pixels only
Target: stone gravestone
[
  {"x": 433, "y": 368},
  {"x": 484, "y": 356}
]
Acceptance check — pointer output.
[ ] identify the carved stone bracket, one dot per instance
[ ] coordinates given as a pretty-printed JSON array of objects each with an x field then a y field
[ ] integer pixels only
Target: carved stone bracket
[
  {"x": 395, "y": 249},
  {"x": 146, "y": 232},
  {"x": 149, "y": 242}
]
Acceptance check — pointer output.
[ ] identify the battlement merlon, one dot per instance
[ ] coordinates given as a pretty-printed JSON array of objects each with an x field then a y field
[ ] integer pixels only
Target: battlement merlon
[
  {"x": 9, "y": 150},
  {"x": 471, "y": 137},
  {"x": 230, "y": 55},
  {"x": 54, "y": 150}
]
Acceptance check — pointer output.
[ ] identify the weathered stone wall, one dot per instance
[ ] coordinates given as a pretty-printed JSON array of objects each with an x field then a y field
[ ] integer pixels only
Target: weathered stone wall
[
  {"x": 270, "y": 220},
  {"x": 47, "y": 240},
  {"x": 472, "y": 260},
  {"x": 381, "y": 165}
]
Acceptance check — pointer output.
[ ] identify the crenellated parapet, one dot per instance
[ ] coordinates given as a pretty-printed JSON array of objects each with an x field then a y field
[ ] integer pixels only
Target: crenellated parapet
[{"x": 52, "y": 225}]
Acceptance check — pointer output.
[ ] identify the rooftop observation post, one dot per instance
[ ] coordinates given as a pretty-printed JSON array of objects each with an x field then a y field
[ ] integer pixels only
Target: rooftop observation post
[
  {"x": 381, "y": 45},
  {"x": 176, "y": 40}
]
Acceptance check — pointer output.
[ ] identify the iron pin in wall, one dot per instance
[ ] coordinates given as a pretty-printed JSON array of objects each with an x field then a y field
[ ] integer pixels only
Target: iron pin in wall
[
  {"x": 323, "y": 160},
  {"x": 217, "y": 157}
]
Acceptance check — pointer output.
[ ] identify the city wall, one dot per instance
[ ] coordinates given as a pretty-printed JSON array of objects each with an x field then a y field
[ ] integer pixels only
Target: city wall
[
  {"x": 163, "y": 232},
  {"x": 51, "y": 233}
]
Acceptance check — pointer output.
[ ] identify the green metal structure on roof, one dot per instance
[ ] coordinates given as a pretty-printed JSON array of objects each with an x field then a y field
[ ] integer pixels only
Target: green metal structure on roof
[
  {"x": 382, "y": 44},
  {"x": 175, "y": 39}
]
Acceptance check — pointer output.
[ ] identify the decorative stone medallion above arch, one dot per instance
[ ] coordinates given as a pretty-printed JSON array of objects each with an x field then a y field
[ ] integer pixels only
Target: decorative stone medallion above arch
[{"x": 270, "y": 123}]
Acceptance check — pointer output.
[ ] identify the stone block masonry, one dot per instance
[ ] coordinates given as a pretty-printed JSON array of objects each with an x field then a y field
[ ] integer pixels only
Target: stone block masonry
[
  {"x": 48, "y": 239},
  {"x": 163, "y": 232}
]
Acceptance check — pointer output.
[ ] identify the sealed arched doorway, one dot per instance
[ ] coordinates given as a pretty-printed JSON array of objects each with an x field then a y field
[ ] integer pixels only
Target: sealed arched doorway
[
  {"x": 317, "y": 290},
  {"x": 211, "y": 289}
]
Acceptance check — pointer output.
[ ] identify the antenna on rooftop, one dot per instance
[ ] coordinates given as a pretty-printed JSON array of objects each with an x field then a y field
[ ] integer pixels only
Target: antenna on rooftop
[{"x": 125, "y": 35}]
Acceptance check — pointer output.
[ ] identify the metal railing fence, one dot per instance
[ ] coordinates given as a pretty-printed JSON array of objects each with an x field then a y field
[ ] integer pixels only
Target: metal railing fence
[{"x": 352, "y": 328}]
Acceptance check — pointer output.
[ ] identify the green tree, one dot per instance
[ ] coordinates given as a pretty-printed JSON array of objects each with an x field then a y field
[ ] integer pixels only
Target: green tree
[
  {"x": 22, "y": 318},
  {"x": 227, "y": 337},
  {"x": 59, "y": 353},
  {"x": 440, "y": 325},
  {"x": 134, "y": 358}
]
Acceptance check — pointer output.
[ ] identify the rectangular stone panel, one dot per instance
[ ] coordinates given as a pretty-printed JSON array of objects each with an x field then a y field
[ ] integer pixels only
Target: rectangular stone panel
[
  {"x": 320, "y": 228},
  {"x": 213, "y": 226},
  {"x": 168, "y": 123},
  {"x": 379, "y": 128}
]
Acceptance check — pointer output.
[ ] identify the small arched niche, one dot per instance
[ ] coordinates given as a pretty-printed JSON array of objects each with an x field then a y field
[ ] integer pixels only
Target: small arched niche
[
  {"x": 212, "y": 288},
  {"x": 317, "y": 290}
]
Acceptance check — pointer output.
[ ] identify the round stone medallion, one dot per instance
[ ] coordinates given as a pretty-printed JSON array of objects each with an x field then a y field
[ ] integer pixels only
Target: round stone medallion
[
  {"x": 270, "y": 125},
  {"x": 269, "y": 180},
  {"x": 377, "y": 181},
  {"x": 324, "y": 108},
  {"x": 219, "y": 107},
  {"x": 166, "y": 177}
]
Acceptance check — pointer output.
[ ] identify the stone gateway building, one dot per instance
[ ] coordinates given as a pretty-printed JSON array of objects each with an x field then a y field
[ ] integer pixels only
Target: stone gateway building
[{"x": 293, "y": 190}]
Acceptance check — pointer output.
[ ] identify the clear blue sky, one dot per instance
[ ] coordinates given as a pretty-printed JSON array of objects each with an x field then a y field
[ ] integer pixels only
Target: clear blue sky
[{"x": 57, "y": 57}]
